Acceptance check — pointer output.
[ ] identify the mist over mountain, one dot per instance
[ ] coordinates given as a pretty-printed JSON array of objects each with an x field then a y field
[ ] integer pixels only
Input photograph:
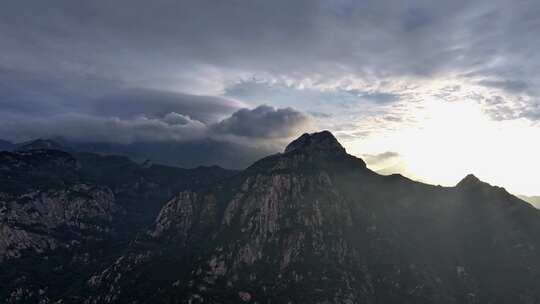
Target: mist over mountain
[
  {"x": 534, "y": 200},
  {"x": 310, "y": 225},
  {"x": 189, "y": 154}
]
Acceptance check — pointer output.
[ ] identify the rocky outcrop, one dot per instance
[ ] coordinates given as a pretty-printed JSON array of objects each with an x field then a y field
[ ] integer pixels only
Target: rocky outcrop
[
  {"x": 321, "y": 142},
  {"x": 314, "y": 225},
  {"x": 29, "y": 222},
  {"x": 63, "y": 216},
  {"x": 186, "y": 211}
]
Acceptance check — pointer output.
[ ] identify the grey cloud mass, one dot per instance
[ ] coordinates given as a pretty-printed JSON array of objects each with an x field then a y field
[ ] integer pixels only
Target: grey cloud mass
[
  {"x": 156, "y": 103},
  {"x": 156, "y": 70},
  {"x": 513, "y": 86},
  {"x": 263, "y": 122},
  {"x": 82, "y": 127},
  {"x": 366, "y": 37},
  {"x": 174, "y": 138}
]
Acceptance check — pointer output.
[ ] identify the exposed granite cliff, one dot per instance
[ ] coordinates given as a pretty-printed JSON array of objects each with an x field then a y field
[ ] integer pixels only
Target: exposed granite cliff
[
  {"x": 314, "y": 225},
  {"x": 63, "y": 215},
  {"x": 30, "y": 221},
  {"x": 310, "y": 225}
]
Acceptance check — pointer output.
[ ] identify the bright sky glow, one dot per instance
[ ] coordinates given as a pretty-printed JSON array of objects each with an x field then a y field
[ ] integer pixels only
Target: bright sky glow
[
  {"x": 452, "y": 139},
  {"x": 431, "y": 89}
]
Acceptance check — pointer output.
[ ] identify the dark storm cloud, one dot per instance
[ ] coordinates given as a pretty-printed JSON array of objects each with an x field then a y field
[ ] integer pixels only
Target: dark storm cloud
[
  {"x": 412, "y": 37},
  {"x": 129, "y": 63},
  {"x": 263, "y": 122},
  {"x": 83, "y": 127},
  {"x": 264, "y": 125},
  {"x": 34, "y": 92},
  {"x": 154, "y": 103}
]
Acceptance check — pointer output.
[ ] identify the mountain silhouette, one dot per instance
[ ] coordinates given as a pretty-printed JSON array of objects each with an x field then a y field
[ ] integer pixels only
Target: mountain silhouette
[{"x": 310, "y": 225}]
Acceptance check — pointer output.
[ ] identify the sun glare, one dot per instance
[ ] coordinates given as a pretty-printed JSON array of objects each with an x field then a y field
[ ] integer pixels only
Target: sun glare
[{"x": 452, "y": 139}]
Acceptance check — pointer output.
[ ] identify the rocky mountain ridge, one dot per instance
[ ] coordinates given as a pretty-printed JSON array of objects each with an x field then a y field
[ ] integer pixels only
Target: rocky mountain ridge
[
  {"x": 187, "y": 154},
  {"x": 63, "y": 214},
  {"x": 314, "y": 225}
]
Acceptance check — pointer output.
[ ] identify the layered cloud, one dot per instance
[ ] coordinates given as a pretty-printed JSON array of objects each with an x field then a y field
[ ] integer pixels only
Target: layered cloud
[
  {"x": 386, "y": 162},
  {"x": 363, "y": 69},
  {"x": 57, "y": 55},
  {"x": 173, "y": 126},
  {"x": 156, "y": 103},
  {"x": 263, "y": 123}
]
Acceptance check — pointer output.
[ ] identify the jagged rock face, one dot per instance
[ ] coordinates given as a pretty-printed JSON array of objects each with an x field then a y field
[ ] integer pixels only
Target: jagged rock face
[
  {"x": 287, "y": 232},
  {"x": 41, "y": 193},
  {"x": 40, "y": 225},
  {"x": 314, "y": 225},
  {"x": 29, "y": 221},
  {"x": 278, "y": 222},
  {"x": 63, "y": 216}
]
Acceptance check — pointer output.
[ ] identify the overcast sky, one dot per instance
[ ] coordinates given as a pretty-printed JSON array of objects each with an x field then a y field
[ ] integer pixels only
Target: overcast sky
[{"x": 431, "y": 89}]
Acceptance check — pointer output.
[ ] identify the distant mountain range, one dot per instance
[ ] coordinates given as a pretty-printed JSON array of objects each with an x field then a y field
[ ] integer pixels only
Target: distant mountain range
[
  {"x": 181, "y": 154},
  {"x": 310, "y": 225}
]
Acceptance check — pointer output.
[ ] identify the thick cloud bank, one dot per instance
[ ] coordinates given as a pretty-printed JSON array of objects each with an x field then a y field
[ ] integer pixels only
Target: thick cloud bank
[
  {"x": 263, "y": 123},
  {"x": 126, "y": 71}
]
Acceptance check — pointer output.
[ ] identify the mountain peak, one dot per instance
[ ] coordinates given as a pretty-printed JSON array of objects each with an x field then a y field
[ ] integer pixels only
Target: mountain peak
[
  {"x": 319, "y": 141},
  {"x": 469, "y": 180},
  {"x": 40, "y": 144}
]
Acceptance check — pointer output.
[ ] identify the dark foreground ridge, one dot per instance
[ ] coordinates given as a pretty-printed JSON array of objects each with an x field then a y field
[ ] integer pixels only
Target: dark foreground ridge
[{"x": 310, "y": 225}]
